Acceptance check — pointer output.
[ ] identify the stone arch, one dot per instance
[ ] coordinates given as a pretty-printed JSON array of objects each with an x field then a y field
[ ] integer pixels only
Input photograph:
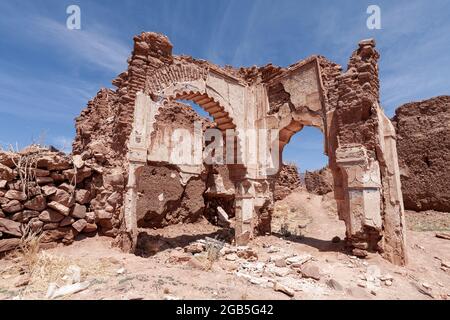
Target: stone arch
[
  {"x": 215, "y": 105},
  {"x": 207, "y": 88},
  {"x": 220, "y": 113},
  {"x": 295, "y": 126},
  {"x": 216, "y": 92}
]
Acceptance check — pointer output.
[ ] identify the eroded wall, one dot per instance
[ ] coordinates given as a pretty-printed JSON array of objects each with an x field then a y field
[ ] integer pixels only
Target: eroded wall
[
  {"x": 364, "y": 163},
  {"x": 43, "y": 191},
  {"x": 423, "y": 131},
  {"x": 319, "y": 181},
  {"x": 287, "y": 181}
]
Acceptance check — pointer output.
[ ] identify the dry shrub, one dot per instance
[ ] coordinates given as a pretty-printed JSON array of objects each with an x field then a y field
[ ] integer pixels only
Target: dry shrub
[
  {"x": 42, "y": 267},
  {"x": 213, "y": 248},
  {"x": 52, "y": 268},
  {"x": 25, "y": 255},
  {"x": 26, "y": 165},
  {"x": 28, "y": 251}
]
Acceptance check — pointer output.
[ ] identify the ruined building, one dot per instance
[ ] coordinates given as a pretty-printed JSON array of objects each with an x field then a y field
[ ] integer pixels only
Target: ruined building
[{"x": 124, "y": 138}]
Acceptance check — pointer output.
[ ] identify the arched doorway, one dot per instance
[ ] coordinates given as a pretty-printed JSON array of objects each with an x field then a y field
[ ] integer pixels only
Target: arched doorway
[
  {"x": 305, "y": 150},
  {"x": 303, "y": 207},
  {"x": 143, "y": 143}
]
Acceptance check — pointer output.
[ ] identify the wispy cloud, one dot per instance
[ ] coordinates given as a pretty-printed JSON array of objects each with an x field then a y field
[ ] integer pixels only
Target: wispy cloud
[
  {"x": 89, "y": 45},
  {"x": 49, "y": 100},
  {"x": 413, "y": 62},
  {"x": 93, "y": 44},
  {"x": 219, "y": 34}
]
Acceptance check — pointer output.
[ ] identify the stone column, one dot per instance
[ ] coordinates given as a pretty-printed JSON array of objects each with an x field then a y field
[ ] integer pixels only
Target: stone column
[
  {"x": 253, "y": 207},
  {"x": 130, "y": 206},
  {"x": 394, "y": 226},
  {"x": 144, "y": 112},
  {"x": 361, "y": 209},
  {"x": 244, "y": 210}
]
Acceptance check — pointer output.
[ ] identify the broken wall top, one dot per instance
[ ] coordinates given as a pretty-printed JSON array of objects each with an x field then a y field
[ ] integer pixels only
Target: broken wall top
[{"x": 105, "y": 125}]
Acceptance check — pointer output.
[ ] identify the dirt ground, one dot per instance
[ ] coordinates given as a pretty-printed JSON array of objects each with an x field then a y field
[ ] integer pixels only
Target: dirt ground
[{"x": 303, "y": 259}]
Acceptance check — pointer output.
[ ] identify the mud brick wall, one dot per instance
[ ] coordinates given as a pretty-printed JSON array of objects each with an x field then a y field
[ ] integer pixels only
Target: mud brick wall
[
  {"x": 287, "y": 181},
  {"x": 423, "y": 142},
  {"x": 319, "y": 182},
  {"x": 166, "y": 194}
]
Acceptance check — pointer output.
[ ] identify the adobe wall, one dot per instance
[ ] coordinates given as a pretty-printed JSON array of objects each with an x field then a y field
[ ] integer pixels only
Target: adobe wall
[
  {"x": 287, "y": 181},
  {"x": 423, "y": 131},
  {"x": 319, "y": 181}
]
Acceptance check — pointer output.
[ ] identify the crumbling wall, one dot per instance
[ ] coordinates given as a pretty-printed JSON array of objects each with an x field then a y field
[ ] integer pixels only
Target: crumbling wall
[
  {"x": 164, "y": 199},
  {"x": 330, "y": 71},
  {"x": 94, "y": 128},
  {"x": 167, "y": 194},
  {"x": 320, "y": 181},
  {"x": 353, "y": 128},
  {"x": 423, "y": 142},
  {"x": 287, "y": 181},
  {"x": 43, "y": 191},
  {"x": 98, "y": 147},
  {"x": 104, "y": 126},
  {"x": 97, "y": 141},
  {"x": 151, "y": 51},
  {"x": 364, "y": 164}
]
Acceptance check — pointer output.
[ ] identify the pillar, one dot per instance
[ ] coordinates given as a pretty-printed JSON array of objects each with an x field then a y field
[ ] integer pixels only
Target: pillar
[{"x": 361, "y": 208}]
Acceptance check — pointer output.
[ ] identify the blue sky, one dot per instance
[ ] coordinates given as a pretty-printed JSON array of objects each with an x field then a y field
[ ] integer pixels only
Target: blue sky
[{"x": 48, "y": 73}]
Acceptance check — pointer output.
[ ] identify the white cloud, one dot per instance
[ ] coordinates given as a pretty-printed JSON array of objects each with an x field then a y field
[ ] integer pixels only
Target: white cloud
[
  {"x": 34, "y": 98},
  {"x": 94, "y": 43},
  {"x": 89, "y": 45}
]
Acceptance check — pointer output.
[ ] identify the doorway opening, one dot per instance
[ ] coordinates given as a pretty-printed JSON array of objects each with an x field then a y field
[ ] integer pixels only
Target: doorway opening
[
  {"x": 187, "y": 197},
  {"x": 301, "y": 212}
]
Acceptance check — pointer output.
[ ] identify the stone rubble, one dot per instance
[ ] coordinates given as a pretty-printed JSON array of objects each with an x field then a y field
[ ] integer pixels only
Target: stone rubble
[
  {"x": 59, "y": 206},
  {"x": 301, "y": 274}
]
